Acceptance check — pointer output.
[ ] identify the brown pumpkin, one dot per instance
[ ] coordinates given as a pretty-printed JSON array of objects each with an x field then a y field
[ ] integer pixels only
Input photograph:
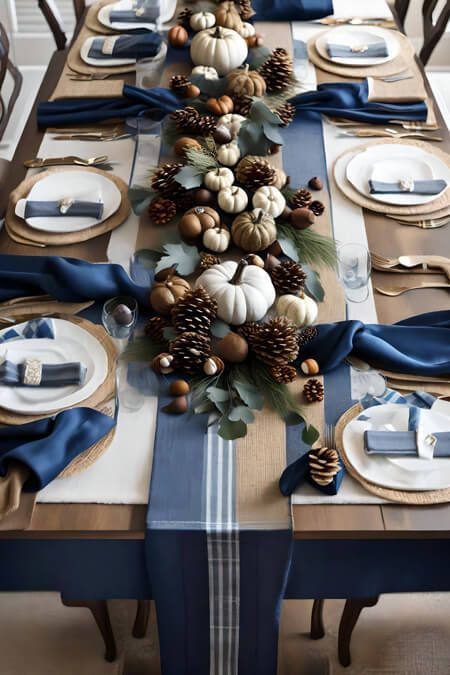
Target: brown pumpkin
[
  {"x": 185, "y": 143},
  {"x": 245, "y": 82},
  {"x": 220, "y": 106},
  {"x": 254, "y": 40},
  {"x": 165, "y": 294},
  {"x": 197, "y": 220},
  {"x": 177, "y": 36},
  {"x": 227, "y": 16},
  {"x": 191, "y": 91},
  {"x": 254, "y": 230}
]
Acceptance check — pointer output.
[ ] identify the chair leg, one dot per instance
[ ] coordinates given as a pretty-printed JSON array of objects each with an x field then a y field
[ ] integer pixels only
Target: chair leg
[
  {"x": 349, "y": 618},
  {"x": 99, "y": 609},
  {"x": 317, "y": 627},
  {"x": 142, "y": 617}
]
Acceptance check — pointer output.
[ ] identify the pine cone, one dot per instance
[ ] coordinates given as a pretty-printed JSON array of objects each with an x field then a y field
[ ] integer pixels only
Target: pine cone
[
  {"x": 185, "y": 200},
  {"x": 288, "y": 277},
  {"x": 161, "y": 210},
  {"x": 301, "y": 198},
  {"x": 254, "y": 172},
  {"x": 323, "y": 465},
  {"x": 242, "y": 104},
  {"x": 275, "y": 343},
  {"x": 154, "y": 328},
  {"x": 178, "y": 84},
  {"x": 286, "y": 113},
  {"x": 184, "y": 17},
  {"x": 246, "y": 10},
  {"x": 316, "y": 207},
  {"x": 190, "y": 351},
  {"x": 191, "y": 121},
  {"x": 249, "y": 331},
  {"x": 284, "y": 373},
  {"x": 306, "y": 335},
  {"x": 277, "y": 70},
  {"x": 163, "y": 181},
  {"x": 194, "y": 312},
  {"x": 313, "y": 390},
  {"x": 207, "y": 260}
]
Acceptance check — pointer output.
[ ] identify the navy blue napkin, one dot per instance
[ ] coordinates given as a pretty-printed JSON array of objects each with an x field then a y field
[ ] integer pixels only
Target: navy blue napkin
[
  {"x": 127, "y": 47},
  {"x": 417, "y": 187},
  {"x": 52, "y": 209},
  {"x": 291, "y": 10},
  {"x": 403, "y": 443},
  {"x": 148, "y": 15},
  {"x": 350, "y": 100},
  {"x": 298, "y": 471},
  {"x": 373, "y": 50},
  {"x": 53, "y": 374}
]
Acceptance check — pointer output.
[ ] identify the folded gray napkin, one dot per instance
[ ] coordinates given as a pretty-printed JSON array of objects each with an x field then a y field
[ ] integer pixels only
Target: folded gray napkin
[
  {"x": 373, "y": 50},
  {"x": 417, "y": 187},
  {"x": 403, "y": 443},
  {"x": 126, "y": 47},
  {"x": 28, "y": 374},
  {"x": 144, "y": 15},
  {"x": 52, "y": 209}
]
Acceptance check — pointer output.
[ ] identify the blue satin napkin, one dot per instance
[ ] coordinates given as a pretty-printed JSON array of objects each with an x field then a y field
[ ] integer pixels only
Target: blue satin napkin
[
  {"x": 350, "y": 100},
  {"x": 291, "y": 10},
  {"x": 52, "y": 209},
  {"x": 419, "y": 345},
  {"x": 127, "y": 47},
  {"x": 53, "y": 374},
  {"x": 65, "y": 279},
  {"x": 417, "y": 187},
  {"x": 148, "y": 15},
  {"x": 135, "y": 101},
  {"x": 47, "y": 446},
  {"x": 373, "y": 50}
]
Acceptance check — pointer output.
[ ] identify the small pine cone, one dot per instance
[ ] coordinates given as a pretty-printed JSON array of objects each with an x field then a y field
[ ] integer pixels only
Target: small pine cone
[
  {"x": 249, "y": 331},
  {"x": 194, "y": 312},
  {"x": 277, "y": 70},
  {"x": 288, "y": 277},
  {"x": 154, "y": 328},
  {"x": 178, "y": 84},
  {"x": 207, "y": 260},
  {"x": 286, "y": 113},
  {"x": 163, "y": 181},
  {"x": 306, "y": 335},
  {"x": 184, "y": 17},
  {"x": 323, "y": 465},
  {"x": 301, "y": 198},
  {"x": 316, "y": 207},
  {"x": 275, "y": 343},
  {"x": 246, "y": 10},
  {"x": 313, "y": 390},
  {"x": 254, "y": 172},
  {"x": 191, "y": 121},
  {"x": 284, "y": 373},
  {"x": 185, "y": 200},
  {"x": 161, "y": 210},
  {"x": 242, "y": 104},
  {"x": 190, "y": 351}
]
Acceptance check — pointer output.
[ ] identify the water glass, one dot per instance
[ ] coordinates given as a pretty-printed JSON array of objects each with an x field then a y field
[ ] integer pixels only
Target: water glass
[
  {"x": 150, "y": 69},
  {"x": 367, "y": 383},
  {"x": 354, "y": 267},
  {"x": 119, "y": 316}
]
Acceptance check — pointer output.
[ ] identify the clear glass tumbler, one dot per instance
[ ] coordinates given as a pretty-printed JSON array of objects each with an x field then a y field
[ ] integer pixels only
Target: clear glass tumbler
[
  {"x": 150, "y": 69},
  {"x": 354, "y": 267}
]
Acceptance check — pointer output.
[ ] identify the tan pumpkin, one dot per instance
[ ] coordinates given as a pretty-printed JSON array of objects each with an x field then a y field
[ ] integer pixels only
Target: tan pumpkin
[
  {"x": 228, "y": 16},
  {"x": 246, "y": 82},
  {"x": 220, "y": 106},
  {"x": 197, "y": 220},
  {"x": 254, "y": 230},
  {"x": 165, "y": 294}
]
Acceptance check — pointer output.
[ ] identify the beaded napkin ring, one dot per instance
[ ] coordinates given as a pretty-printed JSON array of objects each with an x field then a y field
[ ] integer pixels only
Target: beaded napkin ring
[{"x": 32, "y": 374}]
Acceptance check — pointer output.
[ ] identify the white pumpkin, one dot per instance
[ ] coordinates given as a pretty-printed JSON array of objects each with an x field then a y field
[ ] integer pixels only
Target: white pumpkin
[
  {"x": 217, "y": 239},
  {"x": 220, "y": 178},
  {"x": 221, "y": 48},
  {"x": 232, "y": 199},
  {"x": 229, "y": 153},
  {"x": 243, "y": 292},
  {"x": 207, "y": 72},
  {"x": 247, "y": 30},
  {"x": 231, "y": 121},
  {"x": 202, "y": 20},
  {"x": 270, "y": 199},
  {"x": 301, "y": 311}
]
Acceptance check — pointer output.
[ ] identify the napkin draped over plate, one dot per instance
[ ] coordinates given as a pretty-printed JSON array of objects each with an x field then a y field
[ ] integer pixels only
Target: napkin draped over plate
[
  {"x": 125, "y": 46},
  {"x": 414, "y": 187},
  {"x": 56, "y": 209},
  {"x": 291, "y": 10},
  {"x": 370, "y": 51},
  {"x": 31, "y": 373},
  {"x": 144, "y": 15}
]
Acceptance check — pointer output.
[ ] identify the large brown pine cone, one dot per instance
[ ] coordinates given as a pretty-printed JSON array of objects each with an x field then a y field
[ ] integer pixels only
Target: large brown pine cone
[
  {"x": 249, "y": 331},
  {"x": 288, "y": 277},
  {"x": 191, "y": 121},
  {"x": 254, "y": 172},
  {"x": 195, "y": 311},
  {"x": 275, "y": 343},
  {"x": 323, "y": 465},
  {"x": 277, "y": 70},
  {"x": 190, "y": 351},
  {"x": 284, "y": 373},
  {"x": 163, "y": 181},
  {"x": 286, "y": 113},
  {"x": 161, "y": 210},
  {"x": 246, "y": 10}
]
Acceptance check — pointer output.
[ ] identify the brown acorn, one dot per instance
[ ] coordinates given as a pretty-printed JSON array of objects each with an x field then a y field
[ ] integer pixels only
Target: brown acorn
[
  {"x": 177, "y": 37},
  {"x": 222, "y": 135},
  {"x": 213, "y": 366},
  {"x": 162, "y": 364},
  {"x": 178, "y": 406},
  {"x": 256, "y": 40},
  {"x": 204, "y": 197},
  {"x": 302, "y": 218},
  {"x": 233, "y": 348},
  {"x": 310, "y": 367},
  {"x": 315, "y": 183},
  {"x": 179, "y": 388},
  {"x": 254, "y": 259},
  {"x": 275, "y": 249},
  {"x": 185, "y": 143}
]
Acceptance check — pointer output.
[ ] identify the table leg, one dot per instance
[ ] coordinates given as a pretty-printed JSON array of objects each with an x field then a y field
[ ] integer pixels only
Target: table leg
[
  {"x": 317, "y": 627},
  {"x": 142, "y": 617},
  {"x": 99, "y": 609},
  {"x": 349, "y": 618}
]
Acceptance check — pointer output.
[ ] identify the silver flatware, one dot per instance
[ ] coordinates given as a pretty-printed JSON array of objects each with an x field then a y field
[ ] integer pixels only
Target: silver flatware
[
  {"x": 388, "y": 133},
  {"x": 399, "y": 290},
  {"x": 91, "y": 137},
  {"x": 42, "y": 162},
  {"x": 393, "y": 78},
  {"x": 91, "y": 77}
]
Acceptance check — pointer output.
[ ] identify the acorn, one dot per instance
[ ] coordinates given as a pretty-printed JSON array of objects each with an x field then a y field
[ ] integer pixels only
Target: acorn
[
  {"x": 302, "y": 218},
  {"x": 179, "y": 388},
  {"x": 222, "y": 135},
  {"x": 213, "y": 366},
  {"x": 271, "y": 262},
  {"x": 315, "y": 183},
  {"x": 122, "y": 315},
  {"x": 204, "y": 197},
  {"x": 233, "y": 348},
  {"x": 191, "y": 91},
  {"x": 177, "y": 36},
  {"x": 275, "y": 249},
  {"x": 185, "y": 143},
  {"x": 310, "y": 367},
  {"x": 254, "y": 259},
  {"x": 166, "y": 272},
  {"x": 178, "y": 406},
  {"x": 162, "y": 363},
  {"x": 286, "y": 213}
]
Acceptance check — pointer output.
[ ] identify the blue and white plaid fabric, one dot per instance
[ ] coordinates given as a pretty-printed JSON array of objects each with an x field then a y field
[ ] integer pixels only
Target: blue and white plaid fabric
[
  {"x": 416, "y": 401},
  {"x": 35, "y": 328}
]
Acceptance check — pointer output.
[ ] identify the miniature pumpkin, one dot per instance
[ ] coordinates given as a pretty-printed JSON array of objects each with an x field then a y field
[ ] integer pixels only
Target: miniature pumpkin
[
  {"x": 197, "y": 220},
  {"x": 221, "y": 48},
  {"x": 254, "y": 230},
  {"x": 243, "y": 292},
  {"x": 247, "y": 30},
  {"x": 228, "y": 16},
  {"x": 245, "y": 82},
  {"x": 164, "y": 294},
  {"x": 229, "y": 154},
  {"x": 185, "y": 143},
  {"x": 217, "y": 239},
  {"x": 280, "y": 178},
  {"x": 220, "y": 106},
  {"x": 302, "y": 311},
  {"x": 220, "y": 178},
  {"x": 202, "y": 20},
  {"x": 177, "y": 37},
  {"x": 232, "y": 122},
  {"x": 270, "y": 199},
  {"x": 232, "y": 199},
  {"x": 207, "y": 72}
]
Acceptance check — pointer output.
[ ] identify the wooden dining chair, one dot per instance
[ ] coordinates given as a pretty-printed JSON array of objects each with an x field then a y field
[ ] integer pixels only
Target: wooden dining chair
[
  {"x": 7, "y": 67},
  {"x": 78, "y": 7},
  {"x": 434, "y": 24},
  {"x": 54, "y": 21}
]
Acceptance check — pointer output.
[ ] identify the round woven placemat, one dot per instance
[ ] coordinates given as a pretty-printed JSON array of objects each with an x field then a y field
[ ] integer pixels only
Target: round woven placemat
[
  {"x": 18, "y": 227},
  {"x": 431, "y": 209},
  {"x": 390, "y": 68},
  {"x": 92, "y": 23},
  {"x": 423, "y": 498}
]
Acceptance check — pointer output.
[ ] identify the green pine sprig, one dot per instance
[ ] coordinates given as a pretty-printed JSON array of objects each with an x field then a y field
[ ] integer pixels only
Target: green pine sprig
[{"x": 312, "y": 248}]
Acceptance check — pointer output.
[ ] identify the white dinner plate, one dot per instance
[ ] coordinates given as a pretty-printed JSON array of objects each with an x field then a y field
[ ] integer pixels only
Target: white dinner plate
[
  {"x": 71, "y": 343},
  {"x": 353, "y": 36},
  {"x": 80, "y": 185},
  {"x": 400, "y": 162},
  {"x": 103, "y": 63},
  {"x": 408, "y": 473},
  {"x": 167, "y": 11}
]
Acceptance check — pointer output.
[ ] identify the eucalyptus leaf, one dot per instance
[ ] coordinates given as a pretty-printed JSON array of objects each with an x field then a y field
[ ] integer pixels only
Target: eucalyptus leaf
[
  {"x": 272, "y": 133},
  {"x": 257, "y": 56},
  {"x": 230, "y": 430},
  {"x": 184, "y": 257},
  {"x": 259, "y": 112},
  {"x": 214, "y": 88},
  {"x": 288, "y": 248},
  {"x": 251, "y": 139},
  {"x": 310, "y": 435},
  {"x": 206, "y": 407},
  {"x": 293, "y": 418},
  {"x": 189, "y": 177},
  {"x": 219, "y": 328},
  {"x": 140, "y": 198},
  {"x": 249, "y": 394},
  {"x": 312, "y": 283},
  {"x": 243, "y": 413},
  {"x": 147, "y": 258},
  {"x": 214, "y": 417},
  {"x": 217, "y": 395}
]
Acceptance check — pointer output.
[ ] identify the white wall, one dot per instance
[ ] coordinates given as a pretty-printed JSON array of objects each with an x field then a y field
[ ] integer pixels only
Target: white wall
[{"x": 413, "y": 25}]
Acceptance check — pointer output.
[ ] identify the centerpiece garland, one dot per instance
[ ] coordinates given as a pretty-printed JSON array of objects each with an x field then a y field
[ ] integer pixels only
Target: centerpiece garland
[{"x": 235, "y": 292}]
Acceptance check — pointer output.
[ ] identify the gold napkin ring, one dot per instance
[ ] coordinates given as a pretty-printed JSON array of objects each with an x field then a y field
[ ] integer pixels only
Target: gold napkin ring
[
  {"x": 359, "y": 49},
  {"x": 32, "y": 374},
  {"x": 64, "y": 204},
  {"x": 407, "y": 185},
  {"x": 430, "y": 439},
  {"x": 140, "y": 11}
]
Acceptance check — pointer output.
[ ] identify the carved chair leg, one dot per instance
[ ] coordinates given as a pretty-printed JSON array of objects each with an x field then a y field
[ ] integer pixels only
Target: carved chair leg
[
  {"x": 99, "y": 609},
  {"x": 141, "y": 620},
  {"x": 349, "y": 618},
  {"x": 317, "y": 627}
]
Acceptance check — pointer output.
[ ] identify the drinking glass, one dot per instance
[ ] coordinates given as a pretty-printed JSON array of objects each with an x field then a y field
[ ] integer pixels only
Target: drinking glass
[
  {"x": 367, "y": 382},
  {"x": 150, "y": 69},
  {"x": 354, "y": 271}
]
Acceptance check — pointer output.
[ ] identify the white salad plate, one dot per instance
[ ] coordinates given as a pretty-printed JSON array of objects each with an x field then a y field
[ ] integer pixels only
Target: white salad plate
[
  {"x": 71, "y": 344},
  {"x": 78, "y": 185},
  {"x": 397, "y": 473},
  {"x": 167, "y": 8},
  {"x": 354, "y": 37},
  {"x": 103, "y": 63}
]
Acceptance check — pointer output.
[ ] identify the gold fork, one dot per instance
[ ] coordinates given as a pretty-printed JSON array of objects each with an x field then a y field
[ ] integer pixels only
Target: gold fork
[
  {"x": 399, "y": 290},
  {"x": 415, "y": 264}
]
